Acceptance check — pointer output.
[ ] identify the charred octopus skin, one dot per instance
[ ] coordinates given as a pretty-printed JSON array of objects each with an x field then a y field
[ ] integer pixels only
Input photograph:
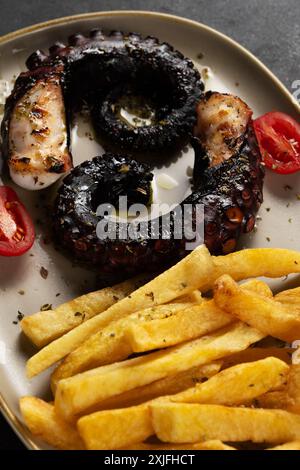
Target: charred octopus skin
[
  {"x": 101, "y": 70},
  {"x": 228, "y": 180},
  {"x": 228, "y": 171},
  {"x": 105, "y": 69}
]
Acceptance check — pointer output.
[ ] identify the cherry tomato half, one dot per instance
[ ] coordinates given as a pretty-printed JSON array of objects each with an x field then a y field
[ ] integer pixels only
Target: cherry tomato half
[
  {"x": 16, "y": 227},
  {"x": 278, "y": 137}
]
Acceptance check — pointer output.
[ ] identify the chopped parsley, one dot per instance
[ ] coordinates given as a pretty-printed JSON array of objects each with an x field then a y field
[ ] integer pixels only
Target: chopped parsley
[{"x": 46, "y": 307}]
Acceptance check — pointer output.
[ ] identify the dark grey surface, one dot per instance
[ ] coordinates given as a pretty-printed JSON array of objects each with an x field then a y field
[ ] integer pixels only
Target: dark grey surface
[{"x": 268, "y": 28}]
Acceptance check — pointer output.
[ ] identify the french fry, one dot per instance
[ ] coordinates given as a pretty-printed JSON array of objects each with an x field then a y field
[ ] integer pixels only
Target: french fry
[
  {"x": 255, "y": 354},
  {"x": 193, "y": 322},
  {"x": 267, "y": 262},
  {"x": 168, "y": 386},
  {"x": 76, "y": 395},
  {"x": 286, "y": 399},
  {"x": 197, "y": 271},
  {"x": 110, "y": 344},
  {"x": 181, "y": 422},
  {"x": 181, "y": 279},
  {"x": 152, "y": 390},
  {"x": 194, "y": 297},
  {"x": 295, "y": 445},
  {"x": 278, "y": 400},
  {"x": 207, "y": 445},
  {"x": 290, "y": 297},
  {"x": 145, "y": 331},
  {"x": 256, "y": 285},
  {"x": 238, "y": 384},
  {"x": 293, "y": 389},
  {"x": 217, "y": 389},
  {"x": 45, "y": 326},
  {"x": 43, "y": 422},
  {"x": 267, "y": 315},
  {"x": 259, "y": 287},
  {"x": 115, "y": 429}
]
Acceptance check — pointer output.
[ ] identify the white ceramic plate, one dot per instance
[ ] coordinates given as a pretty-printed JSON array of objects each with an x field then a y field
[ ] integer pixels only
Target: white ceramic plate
[{"x": 233, "y": 69}]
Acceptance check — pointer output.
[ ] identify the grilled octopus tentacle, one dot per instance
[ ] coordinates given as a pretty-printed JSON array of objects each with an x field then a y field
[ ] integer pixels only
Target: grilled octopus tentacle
[
  {"x": 102, "y": 70},
  {"x": 228, "y": 179},
  {"x": 231, "y": 186},
  {"x": 35, "y": 135}
]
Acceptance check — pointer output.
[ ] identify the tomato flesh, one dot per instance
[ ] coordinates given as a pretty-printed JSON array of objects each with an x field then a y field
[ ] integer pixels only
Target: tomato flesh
[
  {"x": 278, "y": 137},
  {"x": 16, "y": 227}
]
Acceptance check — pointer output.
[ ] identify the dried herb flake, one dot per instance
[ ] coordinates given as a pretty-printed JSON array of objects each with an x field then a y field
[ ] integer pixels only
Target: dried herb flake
[
  {"x": 20, "y": 315},
  {"x": 151, "y": 295},
  {"x": 44, "y": 272},
  {"x": 46, "y": 307}
]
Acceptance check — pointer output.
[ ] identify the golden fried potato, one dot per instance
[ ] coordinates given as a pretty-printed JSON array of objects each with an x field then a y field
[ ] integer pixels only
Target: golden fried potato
[
  {"x": 193, "y": 322},
  {"x": 238, "y": 384},
  {"x": 190, "y": 323},
  {"x": 76, "y": 395},
  {"x": 115, "y": 429},
  {"x": 278, "y": 400},
  {"x": 233, "y": 386},
  {"x": 153, "y": 328},
  {"x": 45, "y": 326},
  {"x": 290, "y": 298},
  {"x": 110, "y": 344},
  {"x": 295, "y": 445},
  {"x": 153, "y": 389},
  {"x": 256, "y": 262},
  {"x": 181, "y": 279},
  {"x": 267, "y": 315},
  {"x": 194, "y": 297},
  {"x": 181, "y": 422},
  {"x": 287, "y": 398},
  {"x": 258, "y": 286},
  {"x": 197, "y": 271},
  {"x": 168, "y": 386},
  {"x": 293, "y": 389},
  {"x": 43, "y": 422},
  {"x": 257, "y": 353}
]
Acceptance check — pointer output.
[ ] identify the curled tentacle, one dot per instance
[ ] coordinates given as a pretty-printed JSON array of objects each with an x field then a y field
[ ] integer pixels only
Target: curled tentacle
[
  {"x": 228, "y": 180},
  {"x": 34, "y": 129},
  {"x": 109, "y": 71},
  {"x": 101, "y": 70}
]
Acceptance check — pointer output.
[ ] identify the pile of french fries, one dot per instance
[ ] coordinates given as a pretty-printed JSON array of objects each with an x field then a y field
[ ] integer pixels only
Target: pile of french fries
[{"x": 167, "y": 365}]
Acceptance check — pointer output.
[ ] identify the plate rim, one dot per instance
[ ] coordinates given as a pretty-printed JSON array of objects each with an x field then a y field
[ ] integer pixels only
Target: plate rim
[
  {"x": 19, "y": 428},
  {"x": 166, "y": 16}
]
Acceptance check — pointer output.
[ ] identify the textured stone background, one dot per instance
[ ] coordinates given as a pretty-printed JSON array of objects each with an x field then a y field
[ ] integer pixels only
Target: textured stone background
[{"x": 268, "y": 28}]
